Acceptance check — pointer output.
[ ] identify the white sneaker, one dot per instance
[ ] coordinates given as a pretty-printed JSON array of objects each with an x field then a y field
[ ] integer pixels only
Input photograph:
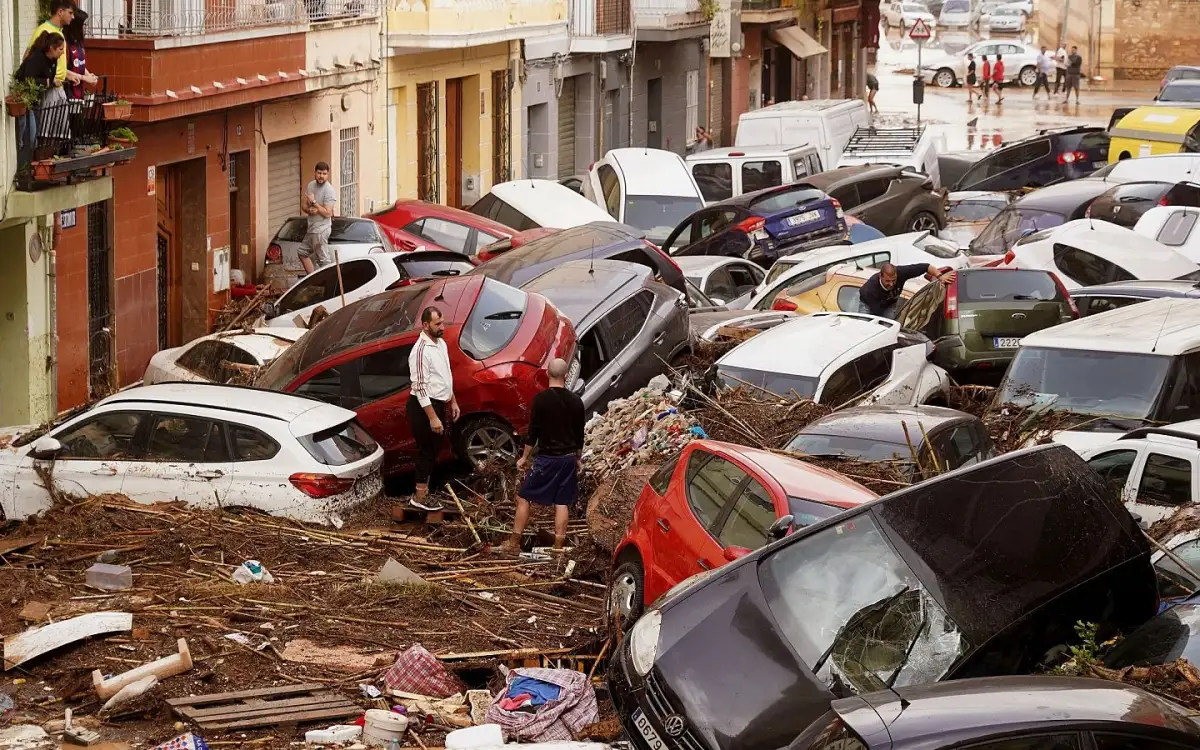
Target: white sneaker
[{"x": 429, "y": 504}]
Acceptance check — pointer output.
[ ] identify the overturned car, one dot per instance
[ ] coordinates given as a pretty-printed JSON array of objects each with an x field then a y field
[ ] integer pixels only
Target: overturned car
[{"x": 977, "y": 572}]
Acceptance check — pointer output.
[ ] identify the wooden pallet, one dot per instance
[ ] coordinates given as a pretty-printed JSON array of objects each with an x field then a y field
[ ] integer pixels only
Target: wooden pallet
[
  {"x": 405, "y": 513},
  {"x": 290, "y": 704}
]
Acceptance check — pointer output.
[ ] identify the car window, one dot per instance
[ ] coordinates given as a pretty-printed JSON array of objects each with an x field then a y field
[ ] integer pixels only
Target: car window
[
  {"x": 711, "y": 222},
  {"x": 108, "y": 435},
  {"x": 841, "y": 387},
  {"x": 444, "y": 233},
  {"x": 800, "y": 168},
  {"x": 1010, "y": 49},
  {"x": 322, "y": 285},
  {"x": 720, "y": 285},
  {"x": 1094, "y": 305},
  {"x": 661, "y": 479},
  {"x": 344, "y": 444},
  {"x": 328, "y": 384},
  {"x": 1036, "y": 742},
  {"x": 715, "y": 180},
  {"x": 869, "y": 190},
  {"x": 1177, "y": 228},
  {"x": 1173, "y": 580},
  {"x": 205, "y": 358},
  {"x": 610, "y": 186},
  {"x": 383, "y": 373},
  {"x": 1011, "y": 284},
  {"x": 187, "y": 440},
  {"x": 1087, "y": 269},
  {"x": 749, "y": 519},
  {"x": 482, "y": 240},
  {"x": 974, "y": 210},
  {"x": 353, "y": 230},
  {"x": 494, "y": 320},
  {"x": 874, "y": 368},
  {"x": 251, "y": 445},
  {"x": 711, "y": 481},
  {"x": 745, "y": 278},
  {"x": 760, "y": 175},
  {"x": 1114, "y": 741},
  {"x": 779, "y": 200},
  {"x": 917, "y": 315},
  {"x": 625, "y": 320},
  {"x": 847, "y": 195},
  {"x": 1166, "y": 480},
  {"x": 959, "y": 448},
  {"x": 293, "y": 230},
  {"x": 847, "y": 298},
  {"x": 1114, "y": 467}
]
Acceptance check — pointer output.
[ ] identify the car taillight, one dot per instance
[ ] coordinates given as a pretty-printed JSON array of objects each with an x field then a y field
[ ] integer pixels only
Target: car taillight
[
  {"x": 1009, "y": 257},
  {"x": 751, "y": 225},
  {"x": 1070, "y": 157},
  {"x": 784, "y": 305},
  {"x": 668, "y": 258},
  {"x": 401, "y": 283},
  {"x": 274, "y": 253},
  {"x": 1062, "y": 289},
  {"x": 1163, "y": 201},
  {"x": 376, "y": 249},
  {"x": 952, "y": 300},
  {"x": 320, "y": 485}
]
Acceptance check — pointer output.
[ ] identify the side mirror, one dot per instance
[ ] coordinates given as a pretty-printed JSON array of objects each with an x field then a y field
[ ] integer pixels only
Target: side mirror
[
  {"x": 580, "y": 385},
  {"x": 717, "y": 301},
  {"x": 45, "y": 448},
  {"x": 780, "y": 528},
  {"x": 736, "y": 553},
  {"x": 269, "y": 310}
]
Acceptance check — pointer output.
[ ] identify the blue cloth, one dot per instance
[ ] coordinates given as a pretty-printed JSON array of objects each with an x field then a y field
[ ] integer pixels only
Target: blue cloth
[
  {"x": 26, "y": 137},
  {"x": 539, "y": 692},
  {"x": 553, "y": 480}
]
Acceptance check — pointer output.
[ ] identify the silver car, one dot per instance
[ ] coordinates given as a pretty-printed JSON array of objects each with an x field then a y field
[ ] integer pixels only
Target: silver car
[
  {"x": 1020, "y": 63},
  {"x": 1007, "y": 18},
  {"x": 727, "y": 281},
  {"x": 958, "y": 14},
  {"x": 351, "y": 237}
]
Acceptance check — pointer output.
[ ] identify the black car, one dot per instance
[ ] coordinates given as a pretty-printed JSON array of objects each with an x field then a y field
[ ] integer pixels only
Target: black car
[
  {"x": 1104, "y": 297},
  {"x": 761, "y": 226},
  {"x": 1005, "y": 713},
  {"x": 1047, "y": 158},
  {"x": 1126, "y": 203},
  {"x": 974, "y": 573},
  {"x": 598, "y": 240},
  {"x": 1041, "y": 209},
  {"x": 1174, "y": 634},
  {"x": 892, "y": 199}
]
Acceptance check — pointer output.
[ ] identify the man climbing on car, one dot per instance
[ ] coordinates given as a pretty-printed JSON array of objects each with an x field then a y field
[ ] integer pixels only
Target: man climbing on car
[{"x": 881, "y": 294}]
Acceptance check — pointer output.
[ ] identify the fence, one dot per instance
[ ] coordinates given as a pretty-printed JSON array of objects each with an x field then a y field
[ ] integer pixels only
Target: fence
[
  {"x": 111, "y": 19},
  {"x": 599, "y": 17},
  {"x": 63, "y": 129}
]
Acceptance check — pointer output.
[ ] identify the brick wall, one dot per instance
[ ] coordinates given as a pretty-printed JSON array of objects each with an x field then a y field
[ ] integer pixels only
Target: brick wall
[{"x": 1153, "y": 35}]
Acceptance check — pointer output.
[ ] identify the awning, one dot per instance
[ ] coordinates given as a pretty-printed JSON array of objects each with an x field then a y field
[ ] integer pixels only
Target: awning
[{"x": 798, "y": 43}]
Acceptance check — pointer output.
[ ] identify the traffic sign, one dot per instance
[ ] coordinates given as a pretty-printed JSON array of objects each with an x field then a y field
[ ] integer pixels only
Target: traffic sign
[{"x": 919, "y": 30}]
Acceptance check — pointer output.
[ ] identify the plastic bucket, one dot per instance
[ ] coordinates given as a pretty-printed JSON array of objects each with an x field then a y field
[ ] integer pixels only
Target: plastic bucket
[{"x": 381, "y": 727}]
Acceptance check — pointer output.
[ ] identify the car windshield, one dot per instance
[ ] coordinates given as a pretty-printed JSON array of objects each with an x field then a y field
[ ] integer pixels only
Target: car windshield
[
  {"x": 778, "y": 383},
  {"x": 1004, "y": 285},
  {"x": 1105, "y": 384},
  {"x": 1008, "y": 226},
  {"x": 780, "y": 267},
  {"x": 345, "y": 444},
  {"x": 494, "y": 320},
  {"x": 845, "y": 445},
  {"x": 353, "y": 230},
  {"x": 1184, "y": 92},
  {"x": 956, "y": 6},
  {"x": 855, "y": 612},
  {"x": 936, "y": 247},
  {"x": 973, "y": 210},
  {"x": 659, "y": 212},
  {"x": 1164, "y": 639}
]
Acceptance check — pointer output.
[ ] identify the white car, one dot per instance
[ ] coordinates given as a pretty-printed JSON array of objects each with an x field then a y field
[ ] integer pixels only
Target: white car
[
  {"x": 1156, "y": 470},
  {"x": 1158, "y": 167},
  {"x": 1087, "y": 252},
  {"x": 905, "y": 14},
  {"x": 902, "y": 249},
  {"x": 1020, "y": 63},
  {"x": 1006, "y": 18},
  {"x": 529, "y": 204},
  {"x": 969, "y": 211},
  {"x": 1177, "y": 227},
  {"x": 647, "y": 188},
  {"x": 221, "y": 357},
  {"x": 838, "y": 358},
  {"x": 725, "y": 281},
  {"x": 348, "y": 238},
  {"x": 207, "y": 445},
  {"x": 360, "y": 278},
  {"x": 957, "y": 14},
  {"x": 1025, "y": 6}
]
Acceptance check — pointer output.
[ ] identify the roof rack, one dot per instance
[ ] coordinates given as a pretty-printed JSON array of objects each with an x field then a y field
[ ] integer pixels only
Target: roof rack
[
  {"x": 1142, "y": 432},
  {"x": 869, "y": 139}
]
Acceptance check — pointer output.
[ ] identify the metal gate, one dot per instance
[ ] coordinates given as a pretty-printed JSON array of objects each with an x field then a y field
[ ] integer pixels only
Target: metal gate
[
  {"x": 427, "y": 141},
  {"x": 164, "y": 300},
  {"x": 99, "y": 274},
  {"x": 717, "y": 105},
  {"x": 348, "y": 178},
  {"x": 283, "y": 183},
  {"x": 566, "y": 129},
  {"x": 501, "y": 126}
]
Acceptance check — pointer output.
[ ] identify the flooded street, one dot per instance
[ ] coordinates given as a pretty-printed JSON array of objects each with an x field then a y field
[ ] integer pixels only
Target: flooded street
[{"x": 980, "y": 125}]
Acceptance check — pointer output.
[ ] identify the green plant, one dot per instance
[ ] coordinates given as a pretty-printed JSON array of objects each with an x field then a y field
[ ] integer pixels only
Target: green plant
[
  {"x": 1084, "y": 655},
  {"x": 709, "y": 9},
  {"x": 123, "y": 133},
  {"x": 121, "y": 102},
  {"x": 26, "y": 91}
]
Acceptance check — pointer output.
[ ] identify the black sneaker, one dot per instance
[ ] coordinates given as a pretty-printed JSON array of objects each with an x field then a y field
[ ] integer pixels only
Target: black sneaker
[{"x": 429, "y": 504}]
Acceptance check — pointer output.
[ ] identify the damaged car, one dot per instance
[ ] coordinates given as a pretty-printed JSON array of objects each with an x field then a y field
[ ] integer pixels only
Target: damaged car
[{"x": 975, "y": 573}]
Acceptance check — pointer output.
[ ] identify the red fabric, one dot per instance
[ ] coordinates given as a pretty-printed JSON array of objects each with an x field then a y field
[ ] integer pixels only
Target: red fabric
[
  {"x": 418, "y": 671},
  {"x": 997, "y": 72}
]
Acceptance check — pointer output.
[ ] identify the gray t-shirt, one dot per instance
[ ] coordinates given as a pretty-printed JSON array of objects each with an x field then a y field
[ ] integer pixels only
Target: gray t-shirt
[{"x": 323, "y": 195}]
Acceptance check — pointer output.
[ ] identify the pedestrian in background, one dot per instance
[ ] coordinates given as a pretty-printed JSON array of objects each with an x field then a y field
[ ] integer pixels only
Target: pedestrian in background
[
  {"x": 704, "y": 141},
  {"x": 971, "y": 92},
  {"x": 1060, "y": 66},
  {"x": 872, "y": 90},
  {"x": 556, "y": 430},
  {"x": 985, "y": 82},
  {"x": 998, "y": 77},
  {"x": 431, "y": 404},
  {"x": 317, "y": 204},
  {"x": 1044, "y": 66},
  {"x": 1074, "y": 73}
]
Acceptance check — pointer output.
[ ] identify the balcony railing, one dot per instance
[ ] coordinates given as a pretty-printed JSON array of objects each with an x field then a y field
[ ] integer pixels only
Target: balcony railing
[
  {"x": 114, "y": 19},
  {"x": 600, "y": 17},
  {"x": 763, "y": 5},
  {"x": 70, "y": 141},
  {"x": 658, "y": 8}
]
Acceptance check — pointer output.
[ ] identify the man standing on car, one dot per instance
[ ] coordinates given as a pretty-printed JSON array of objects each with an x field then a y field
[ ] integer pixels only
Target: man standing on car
[
  {"x": 556, "y": 429},
  {"x": 1074, "y": 72},
  {"x": 881, "y": 294},
  {"x": 431, "y": 404},
  {"x": 317, "y": 204}
]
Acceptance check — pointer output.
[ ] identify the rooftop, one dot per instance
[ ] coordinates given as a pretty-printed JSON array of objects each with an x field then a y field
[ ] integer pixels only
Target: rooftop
[{"x": 806, "y": 346}]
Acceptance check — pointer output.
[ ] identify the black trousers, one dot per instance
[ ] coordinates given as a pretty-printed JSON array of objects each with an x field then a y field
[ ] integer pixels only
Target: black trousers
[
  {"x": 1060, "y": 80},
  {"x": 1042, "y": 82},
  {"x": 429, "y": 443}
]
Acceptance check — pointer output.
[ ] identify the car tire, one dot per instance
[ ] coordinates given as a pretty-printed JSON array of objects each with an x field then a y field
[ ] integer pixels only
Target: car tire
[
  {"x": 944, "y": 78},
  {"x": 486, "y": 437},
  {"x": 627, "y": 594},
  {"x": 1028, "y": 76},
  {"x": 923, "y": 221}
]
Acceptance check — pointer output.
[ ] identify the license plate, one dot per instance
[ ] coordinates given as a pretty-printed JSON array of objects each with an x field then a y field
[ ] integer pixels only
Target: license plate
[
  {"x": 1006, "y": 342},
  {"x": 648, "y": 734},
  {"x": 804, "y": 218}
]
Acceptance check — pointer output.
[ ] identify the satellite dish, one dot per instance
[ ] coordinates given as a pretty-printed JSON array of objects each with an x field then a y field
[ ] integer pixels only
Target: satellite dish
[{"x": 35, "y": 247}]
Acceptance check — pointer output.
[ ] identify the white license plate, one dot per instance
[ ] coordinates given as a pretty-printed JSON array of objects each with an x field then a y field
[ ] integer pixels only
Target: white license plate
[
  {"x": 804, "y": 218},
  {"x": 1006, "y": 342},
  {"x": 648, "y": 734}
]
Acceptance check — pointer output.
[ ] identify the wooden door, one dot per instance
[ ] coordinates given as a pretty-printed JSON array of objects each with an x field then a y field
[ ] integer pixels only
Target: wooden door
[
  {"x": 454, "y": 149},
  {"x": 170, "y": 258}
]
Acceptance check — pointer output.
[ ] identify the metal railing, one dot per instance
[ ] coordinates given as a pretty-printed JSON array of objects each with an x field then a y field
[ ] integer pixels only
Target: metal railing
[
  {"x": 753, "y": 5},
  {"x": 666, "y": 7},
  {"x": 61, "y": 139},
  {"x": 600, "y": 17},
  {"x": 113, "y": 19}
]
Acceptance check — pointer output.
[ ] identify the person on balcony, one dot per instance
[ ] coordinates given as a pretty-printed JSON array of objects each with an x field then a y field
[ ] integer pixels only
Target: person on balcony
[
  {"x": 39, "y": 66},
  {"x": 61, "y": 14},
  {"x": 77, "y": 69}
]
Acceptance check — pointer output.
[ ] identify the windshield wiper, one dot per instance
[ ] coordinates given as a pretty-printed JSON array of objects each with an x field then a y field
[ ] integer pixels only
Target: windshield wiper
[
  {"x": 505, "y": 315},
  {"x": 1026, "y": 297},
  {"x": 855, "y": 619}
]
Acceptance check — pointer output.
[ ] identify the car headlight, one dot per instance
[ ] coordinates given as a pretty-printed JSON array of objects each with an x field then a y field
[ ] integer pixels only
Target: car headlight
[{"x": 643, "y": 642}]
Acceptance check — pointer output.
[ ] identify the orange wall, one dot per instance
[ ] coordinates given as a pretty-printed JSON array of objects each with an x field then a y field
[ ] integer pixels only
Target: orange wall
[{"x": 72, "y": 312}]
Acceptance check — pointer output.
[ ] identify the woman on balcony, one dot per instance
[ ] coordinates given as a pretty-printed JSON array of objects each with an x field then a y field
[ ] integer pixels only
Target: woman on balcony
[
  {"x": 77, "y": 70},
  {"x": 40, "y": 66}
]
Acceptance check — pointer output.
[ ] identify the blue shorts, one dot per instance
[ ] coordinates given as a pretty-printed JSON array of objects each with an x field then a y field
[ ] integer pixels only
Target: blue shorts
[{"x": 552, "y": 480}]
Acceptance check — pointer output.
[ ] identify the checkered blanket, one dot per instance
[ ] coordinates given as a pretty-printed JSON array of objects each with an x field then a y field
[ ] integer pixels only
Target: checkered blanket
[
  {"x": 418, "y": 671},
  {"x": 557, "y": 720},
  {"x": 184, "y": 742}
]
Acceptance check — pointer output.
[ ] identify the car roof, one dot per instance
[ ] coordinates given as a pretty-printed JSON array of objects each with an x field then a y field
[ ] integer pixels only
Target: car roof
[
  {"x": 1071, "y": 192},
  {"x": 419, "y": 208},
  {"x": 747, "y": 152},
  {"x": 1133, "y": 251},
  {"x": 264, "y": 343},
  {"x": 1167, "y": 326},
  {"x": 745, "y": 200},
  {"x": 547, "y": 203},
  {"x": 798, "y": 478},
  {"x": 598, "y": 236},
  {"x": 885, "y": 424},
  {"x": 803, "y": 346},
  {"x": 657, "y": 172},
  {"x": 964, "y": 709},
  {"x": 803, "y": 105},
  {"x": 698, "y": 265},
  {"x": 825, "y": 180},
  {"x": 1168, "y": 288},
  {"x": 578, "y": 288}
]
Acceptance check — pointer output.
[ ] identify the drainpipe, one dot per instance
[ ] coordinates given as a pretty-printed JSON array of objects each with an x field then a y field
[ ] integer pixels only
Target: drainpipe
[
  {"x": 52, "y": 311},
  {"x": 632, "y": 60}
]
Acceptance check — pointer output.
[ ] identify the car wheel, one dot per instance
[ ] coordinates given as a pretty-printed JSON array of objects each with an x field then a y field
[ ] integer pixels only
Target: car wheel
[
  {"x": 627, "y": 596},
  {"x": 1028, "y": 75},
  {"x": 487, "y": 438},
  {"x": 944, "y": 78},
  {"x": 923, "y": 221}
]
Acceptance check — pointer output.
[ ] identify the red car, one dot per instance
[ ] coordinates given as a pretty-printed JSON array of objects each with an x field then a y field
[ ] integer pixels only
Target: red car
[
  {"x": 512, "y": 243},
  {"x": 713, "y": 503},
  {"x": 412, "y": 223},
  {"x": 500, "y": 341}
]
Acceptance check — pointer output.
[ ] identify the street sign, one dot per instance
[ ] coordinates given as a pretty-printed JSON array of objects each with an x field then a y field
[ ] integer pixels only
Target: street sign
[{"x": 919, "y": 30}]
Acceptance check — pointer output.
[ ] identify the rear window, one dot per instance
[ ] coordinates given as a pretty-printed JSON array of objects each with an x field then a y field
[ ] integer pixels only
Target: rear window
[
  {"x": 807, "y": 512},
  {"x": 345, "y": 444},
  {"x": 1009, "y": 226},
  {"x": 784, "y": 199},
  {"x": 1177, "y": 228},
  {"x": 494, "y": 320},
  {"x": 760, "y": 382},
  {"x": 425, "y": 268},
  {"x": 293, "y": 230},
  {"x": 715, "y": 180},
  {"x": 1000, "y": 285},
  {"x": 352, "y": 230},
  {"x": 1137, "y": 192},
  {"x": 1182, "y": 92}
]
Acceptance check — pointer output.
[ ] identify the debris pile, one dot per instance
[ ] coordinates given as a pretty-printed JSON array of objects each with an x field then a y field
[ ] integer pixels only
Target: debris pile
[
  {"x": 642, "y": 429},
  {"x": 243, "y": 311}
]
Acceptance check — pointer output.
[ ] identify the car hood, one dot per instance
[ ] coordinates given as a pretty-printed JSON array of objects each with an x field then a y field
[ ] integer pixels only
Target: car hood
[
  {"x": 705, "y": 324},
  {"x": 8, "y": 453},
  {"x": 1083, "y": 442},
  {"x": 962, "y": 232}
]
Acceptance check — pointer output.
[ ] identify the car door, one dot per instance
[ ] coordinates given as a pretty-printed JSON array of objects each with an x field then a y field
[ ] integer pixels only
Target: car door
[
  {"x": 685, "y": 543},
  {"x": 746, "y": 521},
  {"x": 1165, "y": 483},
  {"x": 97, "y": 452},
  {"x": 186, "y": 457},
  {"x": 631, "y": 363},
  {"x": 1119, "y": 468},
  {"x": 746, "y": 277},
  {"x": 881, "y": 203},
  {"x": 718, "y": 285}
]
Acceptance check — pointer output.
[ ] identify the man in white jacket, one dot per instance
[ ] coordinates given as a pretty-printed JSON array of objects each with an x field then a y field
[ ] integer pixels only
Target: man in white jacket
[
  {"x": 1060, "y": 67},
  {"x": 431, "y": 404}
]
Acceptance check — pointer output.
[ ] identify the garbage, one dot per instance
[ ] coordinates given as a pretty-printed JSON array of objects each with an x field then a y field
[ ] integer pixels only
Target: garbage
[
  {"x": 334, "y": 735},
  {"x": 35, "y": 612},
  {"x": 369, "y": 691},
  {"x": 418, "y": 671},
  {"x": 109, "y": 577},
  {"x": 478, "y": 700},
  {"x": 469, "y": 738},
  {"x": 643, "y": 428},
  {"x": 22, "y": 736},
  {"x": 22, "y": 647},
  {"x": 168, "y": 666},
  {"x": 382, "y": 727},
  {"x": 129, "y": 691},
  {"x": 109, "y": 556},
  {"x": 560, "y": 718},
  {"x": 394, "y": 572},
  {"x": 342, "y": 659},
  {"x": 187, "y": 741},
  {"x": 252, "y": 571},
  {"x": 6, "y": 703}
]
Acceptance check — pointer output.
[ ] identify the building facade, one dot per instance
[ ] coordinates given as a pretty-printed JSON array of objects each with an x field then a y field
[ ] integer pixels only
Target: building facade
[{"x": 1124, "y": 39}]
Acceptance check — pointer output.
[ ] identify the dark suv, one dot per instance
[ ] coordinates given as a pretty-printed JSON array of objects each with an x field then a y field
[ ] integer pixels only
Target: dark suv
[
  {"x": 1125, "y": 204},
  {"x": 1050, "y": 156},
  {"x": 892, "y": 199}
]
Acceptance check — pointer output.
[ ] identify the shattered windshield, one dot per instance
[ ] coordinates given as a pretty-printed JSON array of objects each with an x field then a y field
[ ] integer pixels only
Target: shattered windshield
[
  {"x": 856, "y": 613},
  {"x": 1009, "y": 226}
]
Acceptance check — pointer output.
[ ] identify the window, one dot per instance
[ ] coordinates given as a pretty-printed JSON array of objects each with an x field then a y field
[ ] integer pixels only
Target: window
[
  {"x": 187, "y": 440},
  {"x": 711, "y": 222},
  {"x": 857, "y": 377},
  {"x": 847, "y": 298},
  {"x": 1010, "y": 285},
  {"x": 749, "y": 519},
  {"x": 779, "y": 200},
  {"x": 610, "y": 186},
  {"x": 846, "y": 195},
  {"x": 1177, "y": 228},
  {"x": 1114, "y": 467},
  {"x": 1039, "y": 742},
  {"x": 745, "y": 278},
  {"x": 874, "y": 368},
  {"x": 691, "y": 115},
  {"x": 917, "y": 315},
  {"x": 204, "y": 359},
  {"x": 869, "y": 190},
  {"x": 841, "y": 387},
  {"x": 1173, "y": 580},
  {"x": 493, "y": 321},
  {"x": 720, "y": 286},
  {"x": 443, "y": 233},
  {"x": 960, "y": 447},
  {"x": 715, "y": 180},
  {"x": 760, "y": 175},
  {"x": 800, "y": 167},
  {"x": 662, "y": 478},
  {"x": 327, "y": 386},
  {"x": 1096, "y": 305},
  {"x": 814, "y": 164},
  {"x": 349, "y": 171},
  {"x": 251, "y": 445},
  {"x": 482, "y": 240},
  {"x": 108, "y": 435},
  {"x": 338, "y": 446},
  {"x": 1166, "y": 480},
  {"x": 383, "y": 373},
  {"x": 1087, "y": 269},
  {"x": 510, "y": 216},
  {"x": 593, "y": 355},
  {"x": 625, "y": 320},
  {"x": 779, "y": 383},
  {"x": 711, "y": 481},
  {"x": 346, "y": 229},
  {"x": 1106, "y": 741},
  {"x": 322, "y": 285}
]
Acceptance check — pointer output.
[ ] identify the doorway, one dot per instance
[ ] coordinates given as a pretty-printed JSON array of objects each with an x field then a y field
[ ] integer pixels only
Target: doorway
[
  {"x": 454, "y": 148},
  {"x": 654, "y": 113},
  {"x": 239, "y": 215},
  {"x": 102, "y": 375},
  {"x": 783, "y": 75},
  {"x": 170, "y": 260}
]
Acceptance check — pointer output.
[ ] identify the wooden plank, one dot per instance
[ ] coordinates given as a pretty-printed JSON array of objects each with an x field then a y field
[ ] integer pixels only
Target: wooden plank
[
  {"x": 246, "y": 710},
  {"x": 22, "y": 647},
  {"x": 16, "y": 545},
  {"x": 288, "y": 718},
  {"x": 201, "y": 700}
]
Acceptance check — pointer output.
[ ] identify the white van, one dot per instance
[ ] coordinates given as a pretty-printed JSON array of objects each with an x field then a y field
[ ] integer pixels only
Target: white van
[
  {"x": 724, "y": 173},
  {"x": 825, "y": 123},
  {"x": 529, "y": 204},
  {"x": 647, "y": 188},
  {"x": 914, "y": 148}
]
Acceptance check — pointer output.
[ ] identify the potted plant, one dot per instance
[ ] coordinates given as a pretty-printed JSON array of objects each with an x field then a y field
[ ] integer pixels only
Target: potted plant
[
  {"x": 42, "y": 170},
  {"x": 118, "y": 110},
  {"x": 122, "y": 136},
  {"x": 22, "y": 94}
]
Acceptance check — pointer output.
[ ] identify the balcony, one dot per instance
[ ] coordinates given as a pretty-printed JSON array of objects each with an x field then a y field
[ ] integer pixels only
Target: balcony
[
  {"x": 183, "y": 19},
  {"x": 669, "y": 20},
  {"x": 600, "y": 26},
  {"x": 418, "y": 25},
  {"x": 768, "y": 11}
]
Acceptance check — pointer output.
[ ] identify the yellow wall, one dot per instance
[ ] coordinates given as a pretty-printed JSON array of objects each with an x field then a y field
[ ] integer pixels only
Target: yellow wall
[{"x": 26, "y": 393}]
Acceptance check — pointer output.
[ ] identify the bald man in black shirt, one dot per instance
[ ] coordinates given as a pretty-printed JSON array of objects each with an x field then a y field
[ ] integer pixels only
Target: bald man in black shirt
[{"x": 881, "y": 294}]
